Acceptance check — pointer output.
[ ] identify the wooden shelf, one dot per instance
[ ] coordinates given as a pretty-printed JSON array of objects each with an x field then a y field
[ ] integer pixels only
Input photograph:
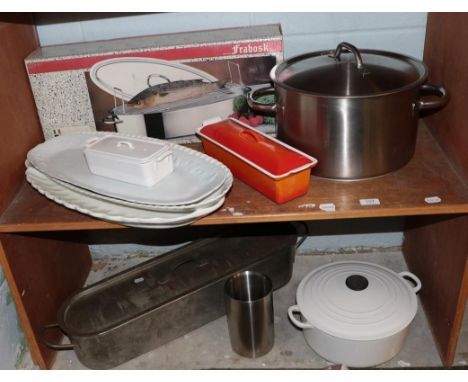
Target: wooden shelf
[{"x": 401, "y": 193}]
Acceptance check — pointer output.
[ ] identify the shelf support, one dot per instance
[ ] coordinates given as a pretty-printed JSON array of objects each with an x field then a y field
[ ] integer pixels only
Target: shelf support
[
  {"x": 436, "y": 250},
  {"x": 41, "y": 273}
]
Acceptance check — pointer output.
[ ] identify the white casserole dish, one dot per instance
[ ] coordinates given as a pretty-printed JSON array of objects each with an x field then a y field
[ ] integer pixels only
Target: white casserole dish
[
  {"x": 355, "y": 313},
  {"x": 131, "y": 160}
]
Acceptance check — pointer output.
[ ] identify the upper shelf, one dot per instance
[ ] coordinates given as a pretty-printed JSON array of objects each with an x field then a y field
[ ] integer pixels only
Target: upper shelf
[{"x": 400, "y": 193}]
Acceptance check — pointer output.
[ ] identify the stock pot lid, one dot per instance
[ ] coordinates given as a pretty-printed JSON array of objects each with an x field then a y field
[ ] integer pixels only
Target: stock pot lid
[
  {"x": 356, "y": 300},
  {"x": 349, "y": 72}
]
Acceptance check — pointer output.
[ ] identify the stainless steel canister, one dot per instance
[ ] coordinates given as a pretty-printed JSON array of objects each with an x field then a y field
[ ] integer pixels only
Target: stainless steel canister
[{"x": 249, "y": 310}]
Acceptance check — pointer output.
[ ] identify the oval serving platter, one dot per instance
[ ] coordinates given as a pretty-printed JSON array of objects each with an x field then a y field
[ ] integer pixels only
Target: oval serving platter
[{"x": 195, "y": 175}]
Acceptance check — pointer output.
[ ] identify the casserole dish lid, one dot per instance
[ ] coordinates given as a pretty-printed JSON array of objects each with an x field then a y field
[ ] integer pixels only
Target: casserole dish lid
[
  {"x": 269, "y": 155},
  {"x": 349, "y": 72},
  {"x": 358, "y": 300},
  {"x": 128, "y": 149}
]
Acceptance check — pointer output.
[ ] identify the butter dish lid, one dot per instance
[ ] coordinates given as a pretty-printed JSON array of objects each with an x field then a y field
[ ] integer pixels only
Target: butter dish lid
[
  {"x": 128, "y": 148},
  {"x": 269, "y": 155}
]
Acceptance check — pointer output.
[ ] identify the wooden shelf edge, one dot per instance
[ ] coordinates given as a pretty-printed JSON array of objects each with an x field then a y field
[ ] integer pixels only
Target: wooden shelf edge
[
  {"x": 93, "y": 224},
  {"x": 319, "y": 215},
  {"x": 216, "y": 219}
]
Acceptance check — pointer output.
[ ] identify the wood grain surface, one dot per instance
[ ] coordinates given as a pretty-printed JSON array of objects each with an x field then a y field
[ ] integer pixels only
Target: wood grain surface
[
  {"x": 19, "y": 124},
  {"x": 446, "y": 56},
  {"x": 436, "y": 250},
  {"x": 41, "y": 274}
]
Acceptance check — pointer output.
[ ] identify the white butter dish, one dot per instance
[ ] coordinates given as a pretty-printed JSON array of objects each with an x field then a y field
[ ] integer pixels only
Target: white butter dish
[{"x": 138, "y": 161}]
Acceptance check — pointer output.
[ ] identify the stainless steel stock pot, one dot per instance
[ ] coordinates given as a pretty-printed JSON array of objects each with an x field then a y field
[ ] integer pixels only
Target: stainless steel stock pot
[{"x": 356, "y": 111}]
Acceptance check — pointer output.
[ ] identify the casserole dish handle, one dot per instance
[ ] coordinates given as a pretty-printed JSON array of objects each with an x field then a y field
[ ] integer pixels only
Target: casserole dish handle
[
  {"x": 295, "y": 309},
  {"x": 259, "y": 106},
  {"x": 58, "y": 347},
  {"x": 414, "y": 279}
]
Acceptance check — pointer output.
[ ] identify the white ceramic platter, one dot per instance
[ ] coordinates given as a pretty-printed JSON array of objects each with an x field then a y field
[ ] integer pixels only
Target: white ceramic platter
[
  {"x": 210, "y": 200},
  {"x": 195, "y": 175},
  {"x": 184, "y": 208},
  {"x": 134, "y": 217},
  {"x": 127, "y": 76}
]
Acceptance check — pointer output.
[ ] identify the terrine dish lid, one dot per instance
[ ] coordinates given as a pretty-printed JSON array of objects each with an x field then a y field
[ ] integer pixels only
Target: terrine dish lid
[{"x": 263, "y": 152}]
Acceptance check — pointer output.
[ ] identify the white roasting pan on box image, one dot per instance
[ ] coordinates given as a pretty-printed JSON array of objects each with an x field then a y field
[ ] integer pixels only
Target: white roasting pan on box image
[{"x": 126, "y": 77}]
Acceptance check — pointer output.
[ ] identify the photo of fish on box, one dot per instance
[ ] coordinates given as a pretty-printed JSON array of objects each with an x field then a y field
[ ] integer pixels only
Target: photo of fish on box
[{"x": 168, "y": 99}]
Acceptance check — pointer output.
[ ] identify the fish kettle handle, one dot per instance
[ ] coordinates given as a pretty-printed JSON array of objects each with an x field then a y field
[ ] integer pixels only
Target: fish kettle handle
[
  {"x": 58, "y": 347},
  {"x": 195, "y": 261}
]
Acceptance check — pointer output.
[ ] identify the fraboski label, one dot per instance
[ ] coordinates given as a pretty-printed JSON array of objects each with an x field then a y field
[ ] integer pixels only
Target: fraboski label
[
  {"x": 251, "y": 48},
  {"x": 182, "y": 53}
]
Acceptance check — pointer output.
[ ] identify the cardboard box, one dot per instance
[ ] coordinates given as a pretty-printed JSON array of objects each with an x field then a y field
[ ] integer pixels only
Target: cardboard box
[{"x": 88, "y": 86}]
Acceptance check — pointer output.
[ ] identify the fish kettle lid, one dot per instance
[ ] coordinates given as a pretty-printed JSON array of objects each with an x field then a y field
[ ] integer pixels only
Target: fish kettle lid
[{"x": 164, "y": 281}]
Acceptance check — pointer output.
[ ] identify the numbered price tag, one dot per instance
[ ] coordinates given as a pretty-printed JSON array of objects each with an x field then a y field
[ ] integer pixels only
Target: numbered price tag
[
  {"x": 369, "y": 202},
  {"x": 432, "y": 200},
  {"x": 327, "y": 207}
]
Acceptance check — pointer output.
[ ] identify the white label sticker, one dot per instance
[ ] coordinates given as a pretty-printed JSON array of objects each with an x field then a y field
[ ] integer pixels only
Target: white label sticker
[
  {"x": 307, "y": 205},
  {"x": 328, "y": 207},
  {"x": 369, "y": 202},
  {"x": 432, "y": 199}
]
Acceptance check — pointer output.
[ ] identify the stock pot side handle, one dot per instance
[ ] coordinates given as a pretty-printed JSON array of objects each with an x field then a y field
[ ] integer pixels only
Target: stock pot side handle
[
  {"x": 258, "y": 106},
  {"x": 434, "y": 90},
  {"x": 295, "y": 309}
]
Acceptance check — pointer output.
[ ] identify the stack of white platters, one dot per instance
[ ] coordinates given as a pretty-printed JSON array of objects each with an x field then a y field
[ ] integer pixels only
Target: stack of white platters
[{"x": 196, "y": 187}]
